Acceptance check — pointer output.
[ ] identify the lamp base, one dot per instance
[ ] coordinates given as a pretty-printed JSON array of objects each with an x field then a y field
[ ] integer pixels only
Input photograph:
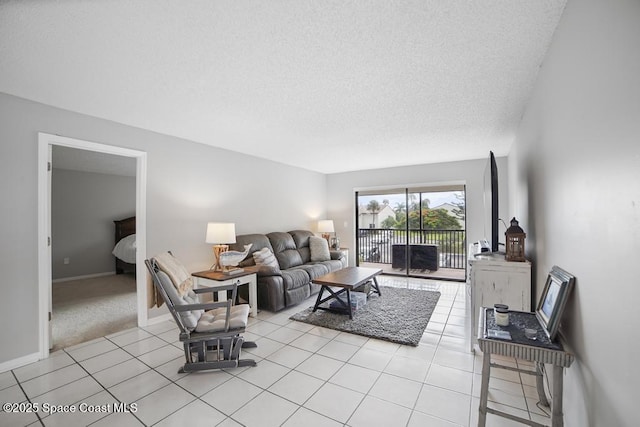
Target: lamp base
[{"x": 217, "y": 250}]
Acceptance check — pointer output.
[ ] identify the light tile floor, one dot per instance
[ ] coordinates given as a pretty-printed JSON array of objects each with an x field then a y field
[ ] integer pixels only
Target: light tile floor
[{"x": 306, "y": 376}]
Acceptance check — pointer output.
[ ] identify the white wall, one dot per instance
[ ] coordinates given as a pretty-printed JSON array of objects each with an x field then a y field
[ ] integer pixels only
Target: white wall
[
  {"x": 341, "y": 193},
  {"x": 576, "y": 185},
  {"x": 188, "y": 184},
  {"x": 83, "y": 208}
]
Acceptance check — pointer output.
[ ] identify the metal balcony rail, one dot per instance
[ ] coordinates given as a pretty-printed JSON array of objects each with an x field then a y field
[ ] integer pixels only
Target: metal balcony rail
[{"x": 375, "y": 245}]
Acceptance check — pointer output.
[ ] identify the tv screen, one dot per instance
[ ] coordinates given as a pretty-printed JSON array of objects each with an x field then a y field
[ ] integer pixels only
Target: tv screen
[{"x": 491, "y": 203}]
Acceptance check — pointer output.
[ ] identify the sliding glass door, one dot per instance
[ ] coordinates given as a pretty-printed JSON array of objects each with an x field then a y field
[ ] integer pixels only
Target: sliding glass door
[{"x": 417, "y": 231}]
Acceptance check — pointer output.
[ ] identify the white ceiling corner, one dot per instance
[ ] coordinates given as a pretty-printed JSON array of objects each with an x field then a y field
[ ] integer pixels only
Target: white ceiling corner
[{"x": 329, "y": 86}]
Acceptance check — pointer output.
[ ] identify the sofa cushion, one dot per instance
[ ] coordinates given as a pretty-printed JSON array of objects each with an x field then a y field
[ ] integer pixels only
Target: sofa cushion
[
  {"x": 285, "y": 250},
  {"x": 264, "y": 257},
  {"x": 315, "y": 270},
  {"x": 295, "y": 278},
  {"x": 333, "y": 265},
  {"x": 319, "y": 249},
  {"x": 295, "y": 285},
  {"x": 301, "y": 239}
]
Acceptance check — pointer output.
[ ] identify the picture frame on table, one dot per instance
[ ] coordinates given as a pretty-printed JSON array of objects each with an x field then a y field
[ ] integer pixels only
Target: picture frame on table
[{"x": 554, "y": 299}]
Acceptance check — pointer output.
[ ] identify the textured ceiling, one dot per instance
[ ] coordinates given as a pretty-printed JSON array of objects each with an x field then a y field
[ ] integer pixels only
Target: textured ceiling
[{"x": 329, "y": 86}]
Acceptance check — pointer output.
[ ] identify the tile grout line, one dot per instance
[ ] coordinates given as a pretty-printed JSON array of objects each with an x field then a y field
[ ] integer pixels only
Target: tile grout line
[
  {"x": 450, "y": 302},
  {"x": 19, "y": 384},
  {"x": 171, "y": 381},
  {"x": 325, "y": 382}
]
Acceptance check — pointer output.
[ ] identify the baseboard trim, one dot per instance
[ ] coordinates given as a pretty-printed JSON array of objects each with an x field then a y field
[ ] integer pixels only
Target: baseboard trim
[
  {"x": 19, "y": 362},
  {"x": 86, "y": 276},
  {"x": 159, "y": 319}
]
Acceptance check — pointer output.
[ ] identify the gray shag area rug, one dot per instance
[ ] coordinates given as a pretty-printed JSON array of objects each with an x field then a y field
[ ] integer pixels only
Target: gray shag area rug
[{"x": 400, "y": 315}]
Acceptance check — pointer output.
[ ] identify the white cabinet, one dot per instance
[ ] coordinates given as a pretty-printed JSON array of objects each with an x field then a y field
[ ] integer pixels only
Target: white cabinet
[{"x": 492, "y": 280}]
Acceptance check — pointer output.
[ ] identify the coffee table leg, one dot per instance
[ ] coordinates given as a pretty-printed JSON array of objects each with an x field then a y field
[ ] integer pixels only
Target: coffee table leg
[
  {"x": 349, "y": 304},
  {"x": 315, "y": 307},
  {"x": 375, "y": 285}
]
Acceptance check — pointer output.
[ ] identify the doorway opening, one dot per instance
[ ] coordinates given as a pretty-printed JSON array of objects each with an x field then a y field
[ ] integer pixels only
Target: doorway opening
[
  {"x": 416, "y": 231},
  {"x": 90, "y": 193},
  {"x": 90, "y": 152}
]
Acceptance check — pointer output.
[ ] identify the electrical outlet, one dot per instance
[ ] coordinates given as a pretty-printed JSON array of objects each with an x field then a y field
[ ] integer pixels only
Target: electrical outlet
[{"x": 65, "y": 261}]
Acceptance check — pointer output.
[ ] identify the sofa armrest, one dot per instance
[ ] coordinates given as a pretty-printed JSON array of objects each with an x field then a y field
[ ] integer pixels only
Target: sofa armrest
[
  {"x": 265, "y": 270},
  {"x": 337, "y": 255}
]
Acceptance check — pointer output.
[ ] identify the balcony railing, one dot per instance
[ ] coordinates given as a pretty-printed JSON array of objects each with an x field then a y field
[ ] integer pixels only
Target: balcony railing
[{"x": 375, "y": 245}]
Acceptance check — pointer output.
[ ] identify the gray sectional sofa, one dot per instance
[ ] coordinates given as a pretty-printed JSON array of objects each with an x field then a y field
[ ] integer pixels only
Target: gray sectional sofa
[{"x": 290, "y": 282}]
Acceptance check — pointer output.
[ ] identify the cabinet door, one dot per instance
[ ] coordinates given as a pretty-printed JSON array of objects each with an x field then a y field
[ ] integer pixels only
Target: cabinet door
[
  {"x": 502, "y": 287},
  {"x": 491, "y": 284}
]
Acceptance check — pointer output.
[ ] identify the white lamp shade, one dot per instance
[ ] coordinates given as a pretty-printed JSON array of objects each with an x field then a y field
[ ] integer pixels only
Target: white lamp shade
[
  {"x": 221, "y": 233},
  {"x": 325, "y": 226}
]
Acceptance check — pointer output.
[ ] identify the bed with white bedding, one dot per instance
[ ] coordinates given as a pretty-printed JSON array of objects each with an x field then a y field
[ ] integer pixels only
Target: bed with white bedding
[{"x": 125, "y": 248}]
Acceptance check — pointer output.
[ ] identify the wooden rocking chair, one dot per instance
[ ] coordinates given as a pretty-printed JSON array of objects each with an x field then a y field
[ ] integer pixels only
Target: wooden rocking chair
[{"x": 210, "y": 332}]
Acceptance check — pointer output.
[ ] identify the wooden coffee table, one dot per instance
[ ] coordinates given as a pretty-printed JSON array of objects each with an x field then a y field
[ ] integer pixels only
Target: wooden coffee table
[{"x": 348, "y": 279}]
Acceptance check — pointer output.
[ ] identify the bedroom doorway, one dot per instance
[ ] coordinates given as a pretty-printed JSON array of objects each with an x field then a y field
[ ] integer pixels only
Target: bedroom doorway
[
  {"x": 92, "y": 193},
  {"x": 49, "y": 266}
]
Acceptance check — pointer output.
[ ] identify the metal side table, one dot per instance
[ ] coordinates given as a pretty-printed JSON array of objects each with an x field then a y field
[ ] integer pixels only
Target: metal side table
[{"x": 541, "y": 350}]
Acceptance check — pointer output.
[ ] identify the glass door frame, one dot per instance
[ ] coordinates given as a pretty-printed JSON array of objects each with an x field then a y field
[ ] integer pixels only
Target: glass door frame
[{"x": 366, "y": 254}]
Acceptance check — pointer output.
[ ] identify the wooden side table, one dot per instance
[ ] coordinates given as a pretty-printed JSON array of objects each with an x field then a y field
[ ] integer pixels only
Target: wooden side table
[
  {"x": 541, "y": 350},
  {"x": 213, "y": 279}
]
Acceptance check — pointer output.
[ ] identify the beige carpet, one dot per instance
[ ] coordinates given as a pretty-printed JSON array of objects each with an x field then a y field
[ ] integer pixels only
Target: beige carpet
[{"x": 91, "y": 308}]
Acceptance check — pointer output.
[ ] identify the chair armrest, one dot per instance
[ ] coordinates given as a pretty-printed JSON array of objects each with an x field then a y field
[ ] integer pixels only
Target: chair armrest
[
  {"x": 233, "y": 288},
  {"x": 205, "y": 289},
  {"x": 204, "y": 306}
]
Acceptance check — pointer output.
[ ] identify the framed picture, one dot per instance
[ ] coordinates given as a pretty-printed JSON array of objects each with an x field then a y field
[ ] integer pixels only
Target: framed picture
[{"x": 553, "y": 300}]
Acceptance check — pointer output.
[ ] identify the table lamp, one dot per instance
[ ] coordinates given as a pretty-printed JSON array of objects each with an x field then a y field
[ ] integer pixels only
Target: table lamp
[
  {"x": 220, "y": 234},
  {"x": 325, "y": 227}
]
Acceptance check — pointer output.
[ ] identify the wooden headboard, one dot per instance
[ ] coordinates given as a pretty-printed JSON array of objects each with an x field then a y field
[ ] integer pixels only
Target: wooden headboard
[{"x": 124, "y": 227}]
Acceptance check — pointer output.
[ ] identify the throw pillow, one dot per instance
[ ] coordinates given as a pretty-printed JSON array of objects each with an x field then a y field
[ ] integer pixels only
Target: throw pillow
[
  {"x": 265, "y": 257},
  {"x": 319, "y": 249}
]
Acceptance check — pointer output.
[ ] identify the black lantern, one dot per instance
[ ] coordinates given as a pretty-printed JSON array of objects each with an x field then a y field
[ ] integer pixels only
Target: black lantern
[{"x": 515, "y": 242}]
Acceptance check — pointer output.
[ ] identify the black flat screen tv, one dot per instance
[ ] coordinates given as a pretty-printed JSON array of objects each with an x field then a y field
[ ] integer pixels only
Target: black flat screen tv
[{"x": 491, "y": 203}]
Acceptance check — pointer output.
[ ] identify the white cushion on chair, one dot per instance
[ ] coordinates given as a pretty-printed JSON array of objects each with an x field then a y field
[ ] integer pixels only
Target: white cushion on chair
[
  {"x": 189, "y": 318},
  {"x": 214, "y": 320}
]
